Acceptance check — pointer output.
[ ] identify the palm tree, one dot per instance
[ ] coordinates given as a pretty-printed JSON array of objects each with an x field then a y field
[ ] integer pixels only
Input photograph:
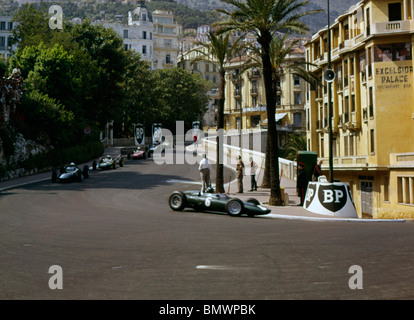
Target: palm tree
[
  {"x": 280, "y": 48},
  {"x": 219, "y": 50},
  {"x": 296, "y": 142},
  {"x": 262, "y": 19}
]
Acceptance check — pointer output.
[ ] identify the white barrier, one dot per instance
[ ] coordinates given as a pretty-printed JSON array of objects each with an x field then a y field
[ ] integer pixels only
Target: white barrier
[{"x": 333, "y": 199}]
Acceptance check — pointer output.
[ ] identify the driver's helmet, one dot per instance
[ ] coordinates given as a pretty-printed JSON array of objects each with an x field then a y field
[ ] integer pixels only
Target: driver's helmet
[
  {"x": 210, "y": 190},
  {"x": 72, "y": 164}
]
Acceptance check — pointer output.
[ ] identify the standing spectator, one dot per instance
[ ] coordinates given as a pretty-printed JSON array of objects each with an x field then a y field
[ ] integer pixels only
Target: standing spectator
[
  {"x": 301, "y": 183},
  {"x": 317, "y": 171},
  {"x": 205, "y": 169},
  {"x": 253, "y": 169},
  {"x": 239, "y": 170}
]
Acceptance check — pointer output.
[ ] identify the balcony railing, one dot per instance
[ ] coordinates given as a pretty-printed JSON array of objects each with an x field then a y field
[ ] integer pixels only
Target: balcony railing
[{"x": 390, "y": 27}]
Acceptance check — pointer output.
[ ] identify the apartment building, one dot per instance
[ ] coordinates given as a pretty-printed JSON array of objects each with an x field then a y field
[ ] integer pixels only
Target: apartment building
[
  {"x": 245, "y": 103},
  {"x": 372, "y": 102},
  {"x": 152, "y": 34},
  {"x": 166, "y": 34},
  {"x": 6, "y": 35},
  {"x": 208, "y": 71}
]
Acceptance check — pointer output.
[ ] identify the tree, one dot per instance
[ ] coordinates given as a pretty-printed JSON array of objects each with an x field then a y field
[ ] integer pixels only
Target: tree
[
  {"x": 296, "y": 142},
  {"x": 218, "y": 50},
  {"x": 280, "y": 48},
  {"x": 178, "y": 95},
  {"x": 262, "y": 19},
  {"x": 32, "y": 27}
]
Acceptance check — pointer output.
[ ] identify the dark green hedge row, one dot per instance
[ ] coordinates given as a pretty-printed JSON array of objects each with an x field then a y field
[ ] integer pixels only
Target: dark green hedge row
[{"x": 59, "y": 157}]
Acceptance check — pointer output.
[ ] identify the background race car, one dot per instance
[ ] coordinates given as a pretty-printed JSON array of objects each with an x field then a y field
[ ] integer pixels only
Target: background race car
[
  {"x": 70, "y": 173},
  {"x": 108, "y": 162},
  {"x": 139, "y": 154},
  {"x": 179, "y": 200}
]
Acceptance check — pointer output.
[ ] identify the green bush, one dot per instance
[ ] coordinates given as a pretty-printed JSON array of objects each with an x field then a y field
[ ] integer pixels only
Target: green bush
[
  {"x": 3, "y": 171},
  {"x": 59, "y": 157},
  {"x": 7, "y": 142}
]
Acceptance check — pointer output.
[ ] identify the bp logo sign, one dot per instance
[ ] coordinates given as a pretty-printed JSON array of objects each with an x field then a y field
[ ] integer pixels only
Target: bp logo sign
[
  {"x": 139, "y": 134},
  {"x": 333, "y": 199}
]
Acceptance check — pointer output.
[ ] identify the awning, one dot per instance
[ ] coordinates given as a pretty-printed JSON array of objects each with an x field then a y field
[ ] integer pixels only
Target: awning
[{"x": 278, "y": 116}]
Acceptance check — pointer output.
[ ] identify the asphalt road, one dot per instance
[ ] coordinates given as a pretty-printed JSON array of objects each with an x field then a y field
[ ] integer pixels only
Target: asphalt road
[{"x": 115, "y": 237}]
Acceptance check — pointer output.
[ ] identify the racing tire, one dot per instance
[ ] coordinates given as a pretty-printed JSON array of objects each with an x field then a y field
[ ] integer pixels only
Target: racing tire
[
  {"x": 177, "y": 201},
  {"x": 54, "y": 176},
  {"x": 85, "y": 171},
  {"x": 80, "y": 177},
  {"x": 254, "y": 201},
  {"x": 234, "y": 207}
]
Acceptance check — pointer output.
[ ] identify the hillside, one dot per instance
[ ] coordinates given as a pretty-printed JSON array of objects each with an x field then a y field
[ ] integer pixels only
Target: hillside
[{"x": 188, "y": 13}]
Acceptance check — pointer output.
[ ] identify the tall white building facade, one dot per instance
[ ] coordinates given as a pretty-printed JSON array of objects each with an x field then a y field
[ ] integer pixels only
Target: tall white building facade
[{"x": 6, "y": 35}]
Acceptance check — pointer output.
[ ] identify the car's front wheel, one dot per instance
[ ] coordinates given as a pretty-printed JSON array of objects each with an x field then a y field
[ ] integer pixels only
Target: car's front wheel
[
  {"x": 177, "y": 201},
  {"x": 234, "y": 207}
]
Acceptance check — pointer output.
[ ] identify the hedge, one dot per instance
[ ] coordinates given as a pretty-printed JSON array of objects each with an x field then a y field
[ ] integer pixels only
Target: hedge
[{"x": 59, "y": 157}]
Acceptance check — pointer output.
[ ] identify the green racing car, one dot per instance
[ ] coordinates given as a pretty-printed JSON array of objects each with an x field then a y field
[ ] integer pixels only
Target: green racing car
[{"x": 215, "y": 202}]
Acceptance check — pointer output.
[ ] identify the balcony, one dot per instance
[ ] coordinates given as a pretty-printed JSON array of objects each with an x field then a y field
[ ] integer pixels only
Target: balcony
[
  {"x": 236, "y": 93},
  {"x": 254, "y": 91},
  {"x": 256, "y": 109},
  {"x": 254, "y": 74},
  {"x": 392, "y": 27}
]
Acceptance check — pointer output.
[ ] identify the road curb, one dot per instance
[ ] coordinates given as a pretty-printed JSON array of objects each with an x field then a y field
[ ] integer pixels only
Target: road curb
[{"x": 288, "y": 217}]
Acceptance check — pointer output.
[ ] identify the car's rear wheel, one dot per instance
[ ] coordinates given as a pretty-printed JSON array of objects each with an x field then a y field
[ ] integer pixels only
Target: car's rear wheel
[
  {"x": 54, "y": 176},
  {"x": 85, "y": 171},
  {"x": 177, "y": 201},
  {"x": 234, "y": 207}
]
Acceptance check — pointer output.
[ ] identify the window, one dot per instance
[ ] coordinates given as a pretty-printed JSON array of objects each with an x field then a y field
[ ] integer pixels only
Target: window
[
  {"x": 352, "y": 67},
  {"x": 351, "y": 145},
  {"x": 372, "y": 141},
  {"x": 2, "y": 43},
  {"x": 125, "y": 34},
  {"x": 369, "y": 54},
  {"x": 144, "y": 50},
  {"x": 2, "y": 25},
  {"x": 353, "y": 103},
  {"x": 168, "y": 58},
  {"x": 368, "y": 22},
  {"x": 297, "y": 97},
  {"x": 371, "y": 103},
  {"x": 296, "y": 81},
  {"x": 394, "y": 11},
  {"x": 346, "y": 146},
  {"x": 207, "y": 67},
  {"x": 386, "y": 188},
  {"x": 144, "y": 35},
  {"x": 405, "y": 190},
  {"x": 297, "y": 120}
]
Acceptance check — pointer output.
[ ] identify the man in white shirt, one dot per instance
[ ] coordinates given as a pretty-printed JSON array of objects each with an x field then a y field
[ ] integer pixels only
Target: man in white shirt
[
  {"x": 253, "y": 169},
  {"x": 205, "y": 169}
]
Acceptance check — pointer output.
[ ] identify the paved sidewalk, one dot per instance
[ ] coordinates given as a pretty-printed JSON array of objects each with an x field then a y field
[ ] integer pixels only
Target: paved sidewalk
[{"x": 290, "y": 211}]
